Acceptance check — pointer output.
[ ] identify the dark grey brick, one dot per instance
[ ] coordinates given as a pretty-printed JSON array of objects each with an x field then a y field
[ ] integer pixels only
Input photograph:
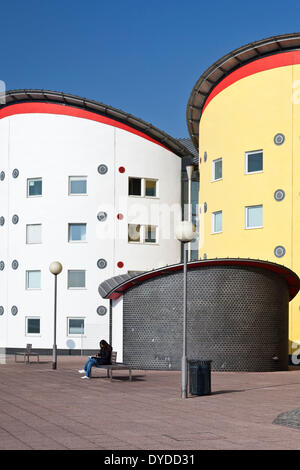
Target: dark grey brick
[{"x": 237, "y": 317}]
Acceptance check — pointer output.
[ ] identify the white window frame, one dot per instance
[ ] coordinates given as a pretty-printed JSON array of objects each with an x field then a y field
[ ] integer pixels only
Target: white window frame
[
  {"x": 213, "y": 231},
  {"x": 77, "y": 178},
  {"x": 27, "y": 277},
  {"x": 142, "y": 240},
  {"x": 145, "y": 231},
  {"x": 76, "y": 288},
  {"x": 32, "y": 243},
  {"x": 246, "y": 217},
  {"x": 156, "y": 188},
  {"x": 77, "y": 241},
  {"x": 31, "y": 317},
  {"x": 34, "y": 179},
  {"x": 75, "y": 335},
  {"x": 246, "y": 162},
  {"x": 140, "y": 233},
  {"x": 143, "y": 187},
  {"x": 213, "y": 170}
]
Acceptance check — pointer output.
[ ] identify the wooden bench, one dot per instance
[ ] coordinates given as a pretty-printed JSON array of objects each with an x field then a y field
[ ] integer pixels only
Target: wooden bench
[
  {"x": 27, "y": 353},
  {"x": 114, "y": 366}
]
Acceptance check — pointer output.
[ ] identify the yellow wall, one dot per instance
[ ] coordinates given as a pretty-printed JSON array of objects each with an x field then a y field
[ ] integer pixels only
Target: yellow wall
[{"x": 245, "y": 117}]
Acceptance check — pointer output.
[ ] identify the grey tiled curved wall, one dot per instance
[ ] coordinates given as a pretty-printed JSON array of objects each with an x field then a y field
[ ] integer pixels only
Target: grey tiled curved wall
[{"x": 237, "y": 317}]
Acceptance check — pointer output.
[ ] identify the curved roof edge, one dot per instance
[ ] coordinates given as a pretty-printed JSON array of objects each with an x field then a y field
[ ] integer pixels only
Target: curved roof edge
[
  {"x": 35, "y": 95},
  {"x": 227, "y": 64},
  {"x": 114, "y": 287}
]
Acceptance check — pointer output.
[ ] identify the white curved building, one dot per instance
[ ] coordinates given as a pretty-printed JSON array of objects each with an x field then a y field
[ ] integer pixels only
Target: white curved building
[{"x": 87, "y": 185}]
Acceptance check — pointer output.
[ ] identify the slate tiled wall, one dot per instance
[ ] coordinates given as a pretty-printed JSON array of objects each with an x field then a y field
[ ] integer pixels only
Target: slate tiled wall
[{"x": 237, "y": 317}]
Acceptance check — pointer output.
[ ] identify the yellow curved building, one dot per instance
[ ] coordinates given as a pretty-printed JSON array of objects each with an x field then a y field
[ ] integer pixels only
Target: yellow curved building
[{"x": 244, "y": 113}]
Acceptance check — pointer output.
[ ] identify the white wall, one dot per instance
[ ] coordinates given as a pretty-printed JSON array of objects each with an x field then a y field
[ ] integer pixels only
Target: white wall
[
  {"x": 117, "y": 332},
  {"x": 55, "y": 147}
]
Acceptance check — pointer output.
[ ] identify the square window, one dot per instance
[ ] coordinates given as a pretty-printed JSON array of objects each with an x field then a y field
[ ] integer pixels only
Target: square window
[
  {"x": 151, "y": 188},
  {"x": 135, "y": 187},
  {"x": 33, "y": 326},
  {"x": 77, "y": 185},
  {"x": 34, "y": 187},
  {"x": 150, "y": 234},
  {"x": 217, "y": 222},
  {"x": 217, "y": 169},
  {"x": 254, "y": 216},
  {"x": 33, "y": 279},
  {"x": 254, "y": 162},
  {"x": 134, "y": 233},
  {"x": 33, "y": 233},
  {"x": 75, "y": 326},
  {"x": 77, "y": 232},
  {"x": 76, "y": 279}
]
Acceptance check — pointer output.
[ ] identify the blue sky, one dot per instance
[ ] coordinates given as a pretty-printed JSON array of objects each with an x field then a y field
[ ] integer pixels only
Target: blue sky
[{"x": 141, "y": 57}]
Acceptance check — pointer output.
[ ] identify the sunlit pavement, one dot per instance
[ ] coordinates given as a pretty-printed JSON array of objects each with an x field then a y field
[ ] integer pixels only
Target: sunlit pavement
[{"x": 41, "y": 408}]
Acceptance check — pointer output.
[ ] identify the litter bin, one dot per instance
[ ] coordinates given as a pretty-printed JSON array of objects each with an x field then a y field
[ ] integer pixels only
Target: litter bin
[{"x": 200, "y": 377}]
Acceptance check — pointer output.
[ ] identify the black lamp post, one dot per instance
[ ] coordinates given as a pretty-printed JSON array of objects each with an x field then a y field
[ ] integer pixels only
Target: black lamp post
[{"x": 55, "y": 268}]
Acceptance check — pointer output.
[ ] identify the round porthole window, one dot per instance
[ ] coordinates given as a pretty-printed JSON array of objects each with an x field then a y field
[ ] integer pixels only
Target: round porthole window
[
  {"x": 15, "y": 264},
  {"x": 1, "y": 310},
  {"x": 279, "y": 251},
  {"x": 2, "y": 175},
  {"x": 102, "y": 169},
  {"x": 14, "y": 310},
  {"x": 101, "y": 263},
  {"x": 279, "y": 139},
  {"x": 15, "y": 219},
  {"x": 2, "y": 265},
  {"x": 2, "y": 220},
  {"x": 279, "y": 195},
  {"x": 102, "y": 216},
  {"x": 15, "y": 173},
  {"x": 102, "y": 310}
]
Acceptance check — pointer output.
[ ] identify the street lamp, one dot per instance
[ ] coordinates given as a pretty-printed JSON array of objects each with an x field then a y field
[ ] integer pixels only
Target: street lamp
[
  {"x": 185, "y": 233},
  {"x": 189, "y": 170},
  {"x": 55, "y": 268}
]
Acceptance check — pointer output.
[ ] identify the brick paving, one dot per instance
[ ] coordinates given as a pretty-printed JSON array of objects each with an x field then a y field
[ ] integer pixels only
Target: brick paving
[{"x": 41, "y": 409}]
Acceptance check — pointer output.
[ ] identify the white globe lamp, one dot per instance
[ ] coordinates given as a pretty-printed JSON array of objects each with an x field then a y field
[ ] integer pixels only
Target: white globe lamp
[
  {"x": 185, "y": 231},
  {"x": 55, "y": 268}
]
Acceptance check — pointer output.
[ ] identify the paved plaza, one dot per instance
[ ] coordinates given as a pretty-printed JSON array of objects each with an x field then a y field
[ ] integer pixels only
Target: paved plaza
[{"x": 41, "y": 408}]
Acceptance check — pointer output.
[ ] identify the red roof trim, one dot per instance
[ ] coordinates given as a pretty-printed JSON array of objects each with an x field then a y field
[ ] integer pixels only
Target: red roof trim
[
  {"x": 291, "y": 278},
  {"x": 62, "y": 109}
]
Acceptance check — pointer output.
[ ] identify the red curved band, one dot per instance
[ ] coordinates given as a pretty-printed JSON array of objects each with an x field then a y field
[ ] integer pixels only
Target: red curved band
[
  {"x": 53, "y": 108},
  {"x": 259, "y": 65}
]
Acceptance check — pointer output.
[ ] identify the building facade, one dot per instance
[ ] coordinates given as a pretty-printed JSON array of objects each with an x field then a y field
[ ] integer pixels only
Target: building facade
[
  {"x": 244, "y": 114},
  {"x": 91, "y": 187}
]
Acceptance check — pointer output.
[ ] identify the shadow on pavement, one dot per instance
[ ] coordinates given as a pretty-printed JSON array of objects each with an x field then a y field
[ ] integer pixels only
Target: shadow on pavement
[
  {"x": 220, "y": 392},
  {"x": 135, "y": 378}
]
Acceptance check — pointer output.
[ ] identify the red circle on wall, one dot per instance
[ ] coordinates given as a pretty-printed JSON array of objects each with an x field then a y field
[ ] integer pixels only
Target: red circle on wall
[
  {"x": 121, "y": 169},
  {"x": 120, "y": 216},
  {"x": 120, "y": 264}
]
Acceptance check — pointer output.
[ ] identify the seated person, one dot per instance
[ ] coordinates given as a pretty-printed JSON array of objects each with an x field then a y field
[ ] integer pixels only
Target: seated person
[{"x": 102, "y": 358}]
